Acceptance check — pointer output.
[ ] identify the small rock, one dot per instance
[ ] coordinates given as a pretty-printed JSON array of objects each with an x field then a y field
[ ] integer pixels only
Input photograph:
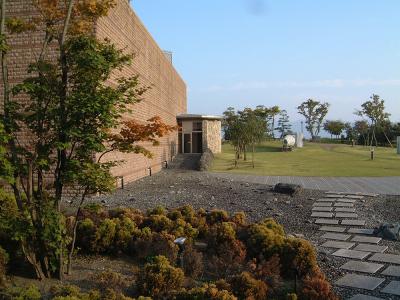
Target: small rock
[
  {"x": 309, "y": 221},
  {"x": 299, "y": 235},
  {"x": 299, "y": 206},
  {"x": 278, "y": 214},
  {"x": 287, "y": 202}
]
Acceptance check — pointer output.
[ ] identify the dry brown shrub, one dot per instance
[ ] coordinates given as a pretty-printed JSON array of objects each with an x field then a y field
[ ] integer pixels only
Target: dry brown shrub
[
  {"x": 316, "y": 287},
  {"x": 246, "y": 287},
  {"x": 154, "y": 244},
  {"x": 107, "y": 279},
  {"x": 192, "y": 261}
]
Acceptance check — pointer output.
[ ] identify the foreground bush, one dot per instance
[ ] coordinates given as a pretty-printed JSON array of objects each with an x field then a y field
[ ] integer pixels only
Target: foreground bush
[
  {"x": 159, "y": 279},
  {"x": 246, "y": 286},
  {"x": 208, "y": 291},
  {"x": 21, "y": 293},
  {"x": 315, "y": 287}
]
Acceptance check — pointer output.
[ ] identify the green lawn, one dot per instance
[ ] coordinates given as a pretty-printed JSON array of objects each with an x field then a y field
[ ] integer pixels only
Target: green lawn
[{"x": 312, "y": 160}]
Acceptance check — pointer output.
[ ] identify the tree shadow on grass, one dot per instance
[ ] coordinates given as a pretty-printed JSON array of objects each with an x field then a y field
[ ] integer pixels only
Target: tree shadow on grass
[{"x": 268, "y": 148}]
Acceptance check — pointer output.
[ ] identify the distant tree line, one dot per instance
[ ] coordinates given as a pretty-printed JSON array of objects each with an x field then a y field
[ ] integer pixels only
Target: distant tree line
[{"x": 244, "y": 129}]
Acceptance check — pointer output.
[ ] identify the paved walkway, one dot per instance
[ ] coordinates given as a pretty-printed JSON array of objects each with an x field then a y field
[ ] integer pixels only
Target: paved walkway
[
  {"x": 369, "y": 269},
  {"x": 378, "y": 185}
]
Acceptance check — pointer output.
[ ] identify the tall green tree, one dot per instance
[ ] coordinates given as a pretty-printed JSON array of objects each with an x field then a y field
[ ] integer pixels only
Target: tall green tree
[
  {"x": 374, "y": 110},
  {"x": 314, "y": 112},
  {"x": 273, "y": 112},
  {"x": 284, "y": 126},
  {"x": 73, "y": 119},
  {"x": 334, "y": 127}
]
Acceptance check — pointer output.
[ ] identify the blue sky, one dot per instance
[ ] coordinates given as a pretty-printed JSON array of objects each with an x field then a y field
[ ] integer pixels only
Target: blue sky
[{"x": 281, "y": 52}]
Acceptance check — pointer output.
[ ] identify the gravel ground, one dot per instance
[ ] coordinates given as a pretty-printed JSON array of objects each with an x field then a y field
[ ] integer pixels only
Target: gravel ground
[{"x": 174, "y": 188}]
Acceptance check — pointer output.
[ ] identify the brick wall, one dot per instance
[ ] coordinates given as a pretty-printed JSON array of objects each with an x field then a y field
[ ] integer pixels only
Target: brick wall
[{"x": 166, "y": 98}]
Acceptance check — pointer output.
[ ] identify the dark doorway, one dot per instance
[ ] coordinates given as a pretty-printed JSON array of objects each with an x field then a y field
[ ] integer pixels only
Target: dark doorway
[
  {"x": 197, "y": 145},
  {"x": 187, "y": 143},
  {"x": 180, "y": 142}
]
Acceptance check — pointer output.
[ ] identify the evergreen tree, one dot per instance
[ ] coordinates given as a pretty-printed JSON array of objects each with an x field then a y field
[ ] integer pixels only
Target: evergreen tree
[{"x": 284, "y": 126}]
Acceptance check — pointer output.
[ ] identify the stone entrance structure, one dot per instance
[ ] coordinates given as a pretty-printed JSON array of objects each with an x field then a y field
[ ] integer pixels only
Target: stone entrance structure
[{"x": 198, "y": 133}]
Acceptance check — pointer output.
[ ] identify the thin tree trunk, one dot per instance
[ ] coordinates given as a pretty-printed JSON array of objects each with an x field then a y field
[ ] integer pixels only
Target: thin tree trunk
[
  {"x": 390, "y": 143},
  {"x": 71, "y": 251}
]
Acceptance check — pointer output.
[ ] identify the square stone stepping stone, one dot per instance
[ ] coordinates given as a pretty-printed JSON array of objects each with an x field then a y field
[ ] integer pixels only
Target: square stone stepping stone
[
  {"x": 361, "y": 266},
  {"x": 370, "y": 248},
  {"x": 346, "y": 215},
  {"x": 360, "y": 281},
  {"x": 333, "y": 228},
  {"x": 325, "y": 200},
  {"x": 336, "y": 236},
  {"x": 343, "y": 200},
  {"x": 361, "y": 231},
  {"x": 334, "y": 196},
  {"x": 364, "y": 297},
  {"x": 387, "y": 258},
  {"x": 343, "y": 204},
  {"x": 345, "y": 209},
  {"x": 392, "y": 288},
  {"x": 322, "y": 204},
  {"x": 327, "y": 221},
  {"x": 354, "y": 197},
  {"x": 366, "y": 239},
  {"x": 353, "y": 254},
  {"x": 392, "y": 271},
  {"x": 353, "y": 222},
  {"x": 318, "y": 214},
  {"x": 322, "y": 208},
  {"x": 337, "y": 244}
]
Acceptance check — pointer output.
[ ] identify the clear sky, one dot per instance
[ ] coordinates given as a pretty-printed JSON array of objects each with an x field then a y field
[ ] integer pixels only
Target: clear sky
[{"x": 281, "y": 52}]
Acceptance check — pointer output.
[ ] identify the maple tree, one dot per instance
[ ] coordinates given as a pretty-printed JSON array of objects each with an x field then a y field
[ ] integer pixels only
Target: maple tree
[{"x": 72, "y": 119}]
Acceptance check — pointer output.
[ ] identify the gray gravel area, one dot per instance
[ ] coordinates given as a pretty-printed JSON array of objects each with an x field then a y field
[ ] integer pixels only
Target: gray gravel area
[{"x": 174, "y": 188}]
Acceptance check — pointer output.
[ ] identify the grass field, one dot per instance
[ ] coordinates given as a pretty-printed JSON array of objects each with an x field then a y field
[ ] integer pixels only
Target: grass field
[{"x": 312, "y": 160}]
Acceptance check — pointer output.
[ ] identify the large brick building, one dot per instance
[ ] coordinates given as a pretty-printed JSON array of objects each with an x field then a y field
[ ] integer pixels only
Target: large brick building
[{"x": 166, "y": 98}]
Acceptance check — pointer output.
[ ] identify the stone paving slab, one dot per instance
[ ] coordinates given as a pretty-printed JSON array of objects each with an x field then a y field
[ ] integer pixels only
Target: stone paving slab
[
  {"x": 325, "y": 200},
  {"x": 322, "y": 208},
  {"x": 343, "y": 200},
  {"x": 346, "y": 215},
  {"x": 364, "y": 297},
  {"x": 344, "y": 185},
  {"x": 337, "y": 244},
  {"x": 362, "y": 266},
  {"x": 327, "y": 221},
  {"x": 353, "y": 222},
  {"x": 353, "y": 254},
  {"x": 333, "y": 228},
  {"x": 322, "y": 204},
  {"x": 336, "y": 236},
  {"x": 387, "y": 258},
  {"x": 334, "y": 196},
  {"x": 392, "y": 288},
  {"x": 318, "y": 214},
  {"x": 345, "y": 209},
  {"x": 371, "y": 248},
  {"x": 366, "y": 239},
  {"x": 360, "y": 281},
  {"x": 358, "y": 197},
  {"x": 366, "y": 231},
  {"x": 343, "y": 204},
  {"x": 392, "y": 271}
]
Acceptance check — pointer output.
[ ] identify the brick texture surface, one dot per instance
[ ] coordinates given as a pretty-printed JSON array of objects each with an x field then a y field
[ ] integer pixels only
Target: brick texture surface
[{"x": 166, "y": 98}]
